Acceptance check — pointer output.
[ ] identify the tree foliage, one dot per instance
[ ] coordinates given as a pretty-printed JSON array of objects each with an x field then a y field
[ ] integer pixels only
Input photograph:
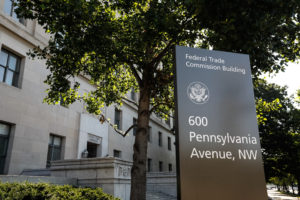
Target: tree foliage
[
  {"x": 297, "y": 99},
  {"x": 121, "y": 44},
  {"x": 280, "y": 134},
  {"x": 114, "y": 41},
  {"x": 45, "y": 191}
]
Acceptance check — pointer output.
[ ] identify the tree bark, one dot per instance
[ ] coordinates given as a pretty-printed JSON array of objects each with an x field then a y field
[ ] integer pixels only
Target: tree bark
[{"x": 138, "y": 171}]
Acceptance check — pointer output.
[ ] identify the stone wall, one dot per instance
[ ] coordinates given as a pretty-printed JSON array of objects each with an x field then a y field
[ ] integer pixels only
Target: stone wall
[
  {"x": 162, "y": 182},
  {"x": 111, "y": 174}
]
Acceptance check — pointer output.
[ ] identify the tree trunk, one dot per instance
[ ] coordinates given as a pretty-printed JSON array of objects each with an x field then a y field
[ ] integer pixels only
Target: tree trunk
[
  {"x": 285, "y": 188},
  {"x": 298, "y": 180},
  {"x": 138, "y": 171}
]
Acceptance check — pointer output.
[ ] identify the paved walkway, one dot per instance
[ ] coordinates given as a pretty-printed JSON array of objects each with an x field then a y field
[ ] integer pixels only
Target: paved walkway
[
  {"x": 272, "y": 193},
  {"x": 275, "y": 195}
]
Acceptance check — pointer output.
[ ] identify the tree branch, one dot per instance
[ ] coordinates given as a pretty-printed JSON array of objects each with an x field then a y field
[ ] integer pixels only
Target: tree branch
[
  {"x": 155, "y": 106},
  {"x": 131, "y": 127},
  {"x": 168, "y": 114},
  {"x": 122, "y": 133},
  {"x": 136, "y": 75},
  {"x": 156, "y": 60}
]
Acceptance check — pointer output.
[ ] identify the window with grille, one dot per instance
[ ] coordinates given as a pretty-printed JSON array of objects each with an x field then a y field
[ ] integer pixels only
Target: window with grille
[
  {"x": 134, "y": 129},
  {"x": 168, "y": 121},
  {"x": 159, "y": 138},
  {"x": 4, "y": 137},
  {"x": 170, "y": 167},
  {"x": 9, "y": 68},
  {"x": 118, "y": 118},
  {"x": 132, "y": 95},
  {"x": 117, "y": 153},
  {"x": 160, "y": 166},
  {"x": 54, "y": 149},
  {"x": 169, "y": 144}
]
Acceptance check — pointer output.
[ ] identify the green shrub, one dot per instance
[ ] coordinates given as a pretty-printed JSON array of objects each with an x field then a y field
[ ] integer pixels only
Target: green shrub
[{"x": 44, "y": 191}]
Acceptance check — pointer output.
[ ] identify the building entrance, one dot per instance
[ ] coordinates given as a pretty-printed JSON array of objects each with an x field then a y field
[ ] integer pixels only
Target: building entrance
[{"x": 92, "y": 149}]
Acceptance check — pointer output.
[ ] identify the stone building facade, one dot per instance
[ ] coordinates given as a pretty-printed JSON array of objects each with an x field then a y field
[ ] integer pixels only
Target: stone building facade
[{"x": 32, "y": 133}]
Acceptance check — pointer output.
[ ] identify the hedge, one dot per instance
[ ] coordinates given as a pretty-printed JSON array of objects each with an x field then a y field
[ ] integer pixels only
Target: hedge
[{"x": 45, "y": 191}]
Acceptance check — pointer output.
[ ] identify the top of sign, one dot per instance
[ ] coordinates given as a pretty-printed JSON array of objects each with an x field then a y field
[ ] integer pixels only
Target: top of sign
[{"x": 217, "y": 61}]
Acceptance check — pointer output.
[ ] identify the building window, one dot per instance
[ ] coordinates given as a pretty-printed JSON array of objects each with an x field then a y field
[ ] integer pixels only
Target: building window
[
  {"x": 134, "y": 129},
  {"x": 9, "y": 9},
  {"x": 118, "y": 118},
  {"x": 133, "y": 95},
  {"x": 159, "y": 138},
  {"x": 62, "y": 98},
  {"x": 169, "y": 144},
  {"x": 117, "y": 153},
  {"x": 9, "y": 68},
  {"x": 160, "y": 166},
  {"x": 149, "y": 134},
  {"x": 54, "y": 149},
  {"x": 168, "y": 121},
  {"x": 4, "y": 137},
  {"x": 92, "y": 149},
  {"x": 170, "y": 167},
  {"x": 149, "y": 165}
]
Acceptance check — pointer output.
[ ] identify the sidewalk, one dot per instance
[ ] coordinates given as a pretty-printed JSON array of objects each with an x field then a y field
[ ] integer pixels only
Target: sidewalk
[{"x": 275, "y": 195}]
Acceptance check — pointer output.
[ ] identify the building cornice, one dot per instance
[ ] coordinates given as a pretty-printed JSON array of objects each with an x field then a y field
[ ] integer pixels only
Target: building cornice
[{"x": 21, "y": 30}]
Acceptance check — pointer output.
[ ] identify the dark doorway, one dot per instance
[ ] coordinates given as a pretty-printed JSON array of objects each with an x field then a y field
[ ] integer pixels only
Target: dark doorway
[
  {"x": 92, "y": 150},
  {"x": 4, "y": 137},
  {"x": 54, "y": 149}
]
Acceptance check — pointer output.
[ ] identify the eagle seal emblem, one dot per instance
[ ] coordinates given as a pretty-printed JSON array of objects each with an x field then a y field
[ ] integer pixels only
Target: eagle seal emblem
[{"x": 198, "y": 92}]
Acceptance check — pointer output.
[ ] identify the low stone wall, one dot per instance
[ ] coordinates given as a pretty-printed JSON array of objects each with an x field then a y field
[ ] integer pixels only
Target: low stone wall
[
  {"x": 163, "y": 182},
  {"x": 111, "y": 174},
  {"x": 38, "y": 179},
  {"x": 36, "y": 172}
]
